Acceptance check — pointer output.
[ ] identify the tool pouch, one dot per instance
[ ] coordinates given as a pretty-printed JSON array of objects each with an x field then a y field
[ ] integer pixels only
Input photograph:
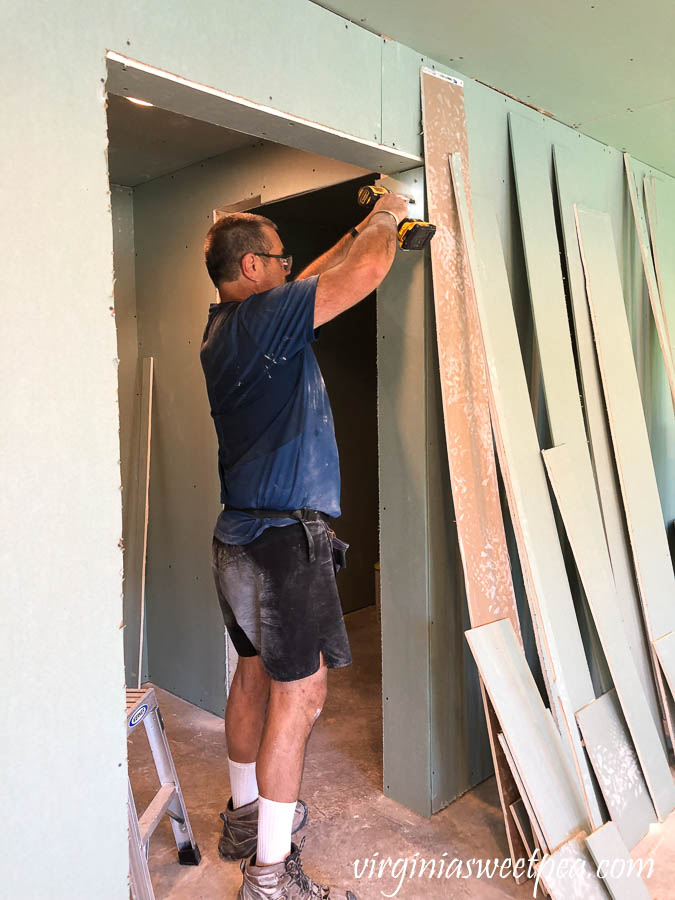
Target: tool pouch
[{"x": 339, "y": 553}]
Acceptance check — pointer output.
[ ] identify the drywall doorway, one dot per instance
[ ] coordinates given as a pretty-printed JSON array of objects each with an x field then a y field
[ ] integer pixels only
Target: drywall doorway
[{"x": 429, "y": 742}]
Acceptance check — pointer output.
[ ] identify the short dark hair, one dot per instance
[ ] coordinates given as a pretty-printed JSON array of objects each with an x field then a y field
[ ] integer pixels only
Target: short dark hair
[{"x": 233, "y": 235}]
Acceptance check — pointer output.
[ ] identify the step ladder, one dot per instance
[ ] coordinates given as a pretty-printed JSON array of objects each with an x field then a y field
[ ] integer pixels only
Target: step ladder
[{"x": 142, "y": 707}]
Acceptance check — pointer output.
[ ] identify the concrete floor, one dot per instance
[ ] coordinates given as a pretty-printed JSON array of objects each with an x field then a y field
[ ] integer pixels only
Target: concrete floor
[{"x": 349, "y": 817}]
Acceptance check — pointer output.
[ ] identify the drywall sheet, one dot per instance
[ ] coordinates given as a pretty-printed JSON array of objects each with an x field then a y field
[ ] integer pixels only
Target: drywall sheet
[
  {"x": 665, "y": 650},
  {"x": 590, "y": 553},
  {"x": 548, "y": 781},
  {"x": 576, "y": 179},
  {"x": 401, "y": 432},
  {"x": 570, "y": 873},
  {"x": 121, "y": 199},
  {"x": 462, "y": 368},
  {"x": 559, "y": 641},
  {"x": 531, "y": 152},
  {"x": 524, "y": 826},
  {"x": 524, "y": 799},
  {"x": 617, "y": 767},
  {"x": 629, "y": 432},
  {"x": 614, "y": 864},
  {"x": 660, "y": 200},
  {"x": 461, "y": 362},
  {"x": 635, "y": 190}
]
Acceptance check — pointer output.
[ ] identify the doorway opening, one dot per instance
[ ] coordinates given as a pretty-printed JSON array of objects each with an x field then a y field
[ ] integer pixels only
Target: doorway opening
[{"x": 167, "y": 172}]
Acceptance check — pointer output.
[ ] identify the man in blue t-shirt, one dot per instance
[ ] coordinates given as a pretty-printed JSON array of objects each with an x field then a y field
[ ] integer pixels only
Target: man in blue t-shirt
[{"x": 274, "y": 553}]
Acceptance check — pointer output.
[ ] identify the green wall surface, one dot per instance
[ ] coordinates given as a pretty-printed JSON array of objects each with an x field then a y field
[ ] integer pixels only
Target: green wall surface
[{"x": 60, "y": 443}]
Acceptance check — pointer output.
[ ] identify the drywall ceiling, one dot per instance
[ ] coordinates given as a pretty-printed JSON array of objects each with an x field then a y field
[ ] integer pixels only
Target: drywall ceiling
[
  {"x": 146, "y": 142},
  {"x": 602, "y": 66}
]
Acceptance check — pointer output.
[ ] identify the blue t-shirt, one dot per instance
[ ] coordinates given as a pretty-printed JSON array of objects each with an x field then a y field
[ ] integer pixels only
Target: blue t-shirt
[{"x": 276, "y": 440}]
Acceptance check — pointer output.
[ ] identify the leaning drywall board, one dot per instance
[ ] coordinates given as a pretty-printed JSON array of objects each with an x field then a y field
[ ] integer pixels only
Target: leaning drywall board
[
  {"x": 532, "y": 155},
  {"x": 616, "y": 766},
  {"x": 524, "y": 826},
  {"x": 665, "y": 650},
  {"x": 660, "y": 197},
  {"x": 538, "y": 755},
  {"x": 531, "y": 150},
  {"x": 570, "y": 873},
  {"x": 614, "y": 864},
  {"x": 577, "y": 182},
  {"x": 627, "y": 424},
  {"x": 635, "y": 190},
  {"x": 559, "y": 642},
  {"x": 590, "y": 553},
  {"x": 466, "y": 414},
  {"x": 523, "y": 798}
]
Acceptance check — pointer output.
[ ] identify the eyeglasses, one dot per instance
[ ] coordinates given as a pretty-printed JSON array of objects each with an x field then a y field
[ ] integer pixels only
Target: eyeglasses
[{"x": 286, "y": 261}]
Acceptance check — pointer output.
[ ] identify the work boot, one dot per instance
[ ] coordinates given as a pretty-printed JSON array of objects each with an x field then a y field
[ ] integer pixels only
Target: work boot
[
  {"x": 285, "y": 881},
  {"x": 240, "y": 830}
]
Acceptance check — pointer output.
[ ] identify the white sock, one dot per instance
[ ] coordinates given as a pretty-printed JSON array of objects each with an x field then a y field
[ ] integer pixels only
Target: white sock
[
  {"x": 275, "y": 824},
  {"x": 243, "y": 783}
]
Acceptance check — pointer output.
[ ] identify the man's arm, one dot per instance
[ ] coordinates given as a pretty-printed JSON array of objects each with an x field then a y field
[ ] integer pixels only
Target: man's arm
[{"x": 365, "y": 266}]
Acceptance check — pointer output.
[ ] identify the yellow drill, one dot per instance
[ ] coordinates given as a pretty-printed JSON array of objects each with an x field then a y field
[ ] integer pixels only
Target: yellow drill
[{"x": 413, "y": 234}]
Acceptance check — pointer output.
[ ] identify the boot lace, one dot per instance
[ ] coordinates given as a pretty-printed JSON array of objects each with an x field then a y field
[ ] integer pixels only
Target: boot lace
[{"x": 311, "y": 888}]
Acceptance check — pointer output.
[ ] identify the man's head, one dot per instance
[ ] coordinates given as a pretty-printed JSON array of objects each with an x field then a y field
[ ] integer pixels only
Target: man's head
[{"x": 241, "y": 252}]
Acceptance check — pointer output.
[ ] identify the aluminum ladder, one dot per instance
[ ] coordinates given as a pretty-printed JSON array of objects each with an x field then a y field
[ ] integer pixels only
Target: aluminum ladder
[{"x": 142, "y": 706}]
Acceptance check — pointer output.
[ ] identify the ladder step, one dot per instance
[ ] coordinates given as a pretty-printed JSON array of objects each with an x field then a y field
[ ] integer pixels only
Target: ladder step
[{"x": 156, "y": 809}]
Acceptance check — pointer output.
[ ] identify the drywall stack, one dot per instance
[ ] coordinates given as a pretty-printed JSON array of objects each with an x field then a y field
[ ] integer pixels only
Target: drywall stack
[{"x": 586, "y": 778}]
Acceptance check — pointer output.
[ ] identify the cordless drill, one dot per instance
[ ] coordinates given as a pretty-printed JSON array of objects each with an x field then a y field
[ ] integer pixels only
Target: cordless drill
[{"x": 413, "y": 234}]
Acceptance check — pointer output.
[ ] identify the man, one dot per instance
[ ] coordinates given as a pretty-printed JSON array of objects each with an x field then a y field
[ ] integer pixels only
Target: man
[{"x": 273, "y": 555}]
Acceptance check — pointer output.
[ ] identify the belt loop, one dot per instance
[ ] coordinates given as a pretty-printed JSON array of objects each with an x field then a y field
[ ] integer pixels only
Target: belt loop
[{"x": 310, "y": 540}]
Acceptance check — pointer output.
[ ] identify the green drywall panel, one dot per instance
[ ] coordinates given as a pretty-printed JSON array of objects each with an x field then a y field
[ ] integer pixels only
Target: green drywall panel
[
  {"x": 460, "y": 748},
  {"x": 129, "y": 393},
  {"x": 404, "y": 574}
]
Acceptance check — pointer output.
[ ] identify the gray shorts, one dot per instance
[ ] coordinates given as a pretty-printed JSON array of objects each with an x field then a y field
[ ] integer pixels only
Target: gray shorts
[{"x": 279, "y": 604}]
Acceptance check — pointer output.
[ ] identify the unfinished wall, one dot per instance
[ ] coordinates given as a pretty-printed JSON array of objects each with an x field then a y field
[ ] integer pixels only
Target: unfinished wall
[
  {"x": 60, "y": 445},
  {"x": 62, "y": 564}
]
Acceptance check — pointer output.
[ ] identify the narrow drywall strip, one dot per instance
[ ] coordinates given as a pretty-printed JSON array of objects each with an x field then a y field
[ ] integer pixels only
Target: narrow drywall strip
[
  {"x": 531, "y": 154},
  {"x": 574, "y": 174},
  {"x": 660, "y": 197},
  {"x": 616, "y": 766},
  {"x": 614, "y": 864},
  {"x": 634, "y": 189},
  {"x": 535, "y": 745},
  {"x": 570, "y": 874},
  {"x": 590, "y": 553},
  {"x": 143, "y": 494},
  {"x": 561, "y": 650},
  {"x": 629, "y": 431},
  {"x": 466, "y": 414}
]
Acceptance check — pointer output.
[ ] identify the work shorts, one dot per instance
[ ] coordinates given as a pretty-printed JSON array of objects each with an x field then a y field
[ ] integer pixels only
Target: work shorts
[{"x": 280, "y": 601}]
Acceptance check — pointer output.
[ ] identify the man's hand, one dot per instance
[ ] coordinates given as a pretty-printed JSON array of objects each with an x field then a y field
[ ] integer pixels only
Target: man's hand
[{"x": 393, "y": 203}]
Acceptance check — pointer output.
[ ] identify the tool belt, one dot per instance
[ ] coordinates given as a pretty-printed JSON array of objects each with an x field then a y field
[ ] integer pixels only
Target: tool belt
[{"x": 303, "y": 516}]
